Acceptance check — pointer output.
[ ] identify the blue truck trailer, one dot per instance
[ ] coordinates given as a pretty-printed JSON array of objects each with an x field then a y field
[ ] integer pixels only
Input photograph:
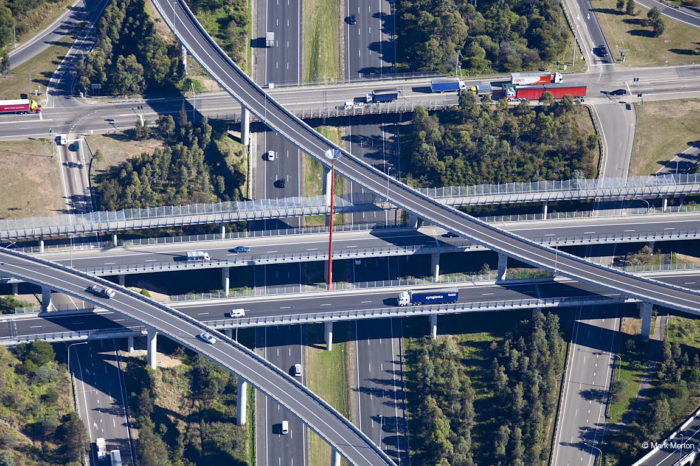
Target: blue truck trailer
[
  {"x": 446, "y": 295},
  {"x": 447, "y": 85}
]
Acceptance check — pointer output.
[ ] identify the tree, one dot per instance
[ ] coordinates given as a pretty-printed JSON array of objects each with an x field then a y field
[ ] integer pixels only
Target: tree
[
  {"x": 657, "y": 23},
  {"x": 166, "y": 126},
  {"x": 6, "y": 458},
  {"x": 150, "y": 448},
  {"x": 631, "y": 8},
  {"x": 661, "y": 418},
  {"x": 74, "y": 437},
  {"x": 140, "y": 130},
  {"x": 5, "y": 64},
  {"x": 620, "y": 4},
  {"x": 40, "y": 352}
]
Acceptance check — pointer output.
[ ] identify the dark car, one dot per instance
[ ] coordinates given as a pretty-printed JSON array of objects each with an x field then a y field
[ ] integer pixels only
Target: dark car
[
  {"x": 352, "y": 19},
  {"x": 449, "y": 234},
  {"x": 281, "y": 183},
  {"x": 619, "y": 92},
  {"x": 241, "y": 249},
  {"x": 603, "y": 51}
]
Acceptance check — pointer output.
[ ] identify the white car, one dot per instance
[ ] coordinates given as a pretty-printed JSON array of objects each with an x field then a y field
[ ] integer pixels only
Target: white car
[
  {"x": 271, "y": 155},
  {"x": 296, "y": 370},
  {"x": 208, "y": 337},
  {"x": 101, "y": 291},
  {"x": 236, "y": 313},
  {"x": 284, "y": 428}
]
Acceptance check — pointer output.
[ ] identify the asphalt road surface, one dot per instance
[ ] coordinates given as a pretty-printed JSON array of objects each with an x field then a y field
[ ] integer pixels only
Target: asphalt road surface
[
  {"x": 327, "y": 422},
  {"x": 683, "y": 14},
  {"x": 101, "y": 396}
]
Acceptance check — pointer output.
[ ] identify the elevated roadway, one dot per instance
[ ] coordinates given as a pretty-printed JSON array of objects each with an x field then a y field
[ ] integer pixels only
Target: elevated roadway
[
  {"x": 200, "y": 45},
  {"x": 318, "y": 415}
]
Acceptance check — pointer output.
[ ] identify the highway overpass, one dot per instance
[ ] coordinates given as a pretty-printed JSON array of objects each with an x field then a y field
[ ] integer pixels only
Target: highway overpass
[{"x": 330, "y": 425}]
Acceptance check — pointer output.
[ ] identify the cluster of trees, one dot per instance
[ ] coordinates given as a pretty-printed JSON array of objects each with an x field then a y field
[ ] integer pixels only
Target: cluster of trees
[
  {"x": 30, "y": 382},
  {"x": 444, "y": 416},
  {"x": 475, "y": 144},
  {"x": 227, "y": 21},
  {"x": 653, "y": 20},
  {"x": 208, "y": 435},
  {"x": 16, "y": 16},
  {"x": 129, "y": 57},
  {"x": 524, "y": 380},
  {"x": 508, "y": 35},
  {"x": 672, "y": 400},
  {"x": 195, "y": 166}
]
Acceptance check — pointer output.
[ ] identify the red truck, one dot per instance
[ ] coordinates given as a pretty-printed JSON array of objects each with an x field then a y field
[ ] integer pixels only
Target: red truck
[
  {"x": 535, "y": 92},
  {"x": 19, "y": 106}
]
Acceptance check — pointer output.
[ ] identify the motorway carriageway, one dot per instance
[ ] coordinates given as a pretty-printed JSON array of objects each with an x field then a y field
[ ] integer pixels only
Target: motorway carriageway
[
  {"x": 18, "y": 325},
  {"x": 317, "y": 243}
]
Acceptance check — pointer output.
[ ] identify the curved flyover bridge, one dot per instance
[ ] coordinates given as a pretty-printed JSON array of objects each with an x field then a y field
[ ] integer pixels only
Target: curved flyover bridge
[
  {"x": 254, "y": 99},
  {"x": 330, "y": 425}
]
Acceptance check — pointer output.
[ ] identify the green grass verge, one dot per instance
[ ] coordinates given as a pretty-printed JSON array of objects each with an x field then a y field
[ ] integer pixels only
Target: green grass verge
[
  {"x": 313, "y": 178},
  {"x": 684, "y": 330},
  {"x": 39, "y": 69},
  {"x": 678, "y": 45},
  {"x": 564, "y": 58},
  {"x": 327, "y": 376},
  {"x": 663, "y": 130},
  {"x": 39, "y": 19},
  {"x": 251, "y": 425},
  {"x": 321, "y": 40},
  {"x": 629, "y": 376}
]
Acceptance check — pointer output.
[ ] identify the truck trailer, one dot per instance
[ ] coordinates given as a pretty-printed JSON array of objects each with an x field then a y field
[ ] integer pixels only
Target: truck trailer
[
  {"x": 19, "y": 106},
  {"x": 269, "y": 39},
  {"x": 447, "y": 85},
  {"x": 526, "y": 79},
  {"x": 536, "y": 92},
  {"x": 382, "y": 95},
  {"x": 447, "y": 295}
]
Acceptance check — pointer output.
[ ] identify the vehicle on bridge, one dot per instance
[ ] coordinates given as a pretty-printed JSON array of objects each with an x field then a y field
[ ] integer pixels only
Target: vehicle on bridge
[
  {"x": 526, "y": 79},
  {"x": 536, "y": 92},
  {"x": 19, "y": 106},
  {"x": 239, "y": 249},
  {"x": 382, "y": 95},
  {"x": 447, "y": 85},
  {"x": 198, "y": 256},
  {"x": 101, "y": 291},
  {"x": 447, "y": 295},
  {"x": 208, "y": 337},
  {"x": 101, "y": 448},
  {"x": 236, "y": 313}
]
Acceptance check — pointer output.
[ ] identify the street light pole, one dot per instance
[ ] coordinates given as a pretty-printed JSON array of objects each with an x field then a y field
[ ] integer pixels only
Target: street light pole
[
  {"x": 69, "y": 347},
  {"x": 596, "y": 448}
]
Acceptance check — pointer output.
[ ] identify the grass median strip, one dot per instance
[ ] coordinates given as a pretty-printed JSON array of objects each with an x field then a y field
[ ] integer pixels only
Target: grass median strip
[{"x": 321, "y": 40}]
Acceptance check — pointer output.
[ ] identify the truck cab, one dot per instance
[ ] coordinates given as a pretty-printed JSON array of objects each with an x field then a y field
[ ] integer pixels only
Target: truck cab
[{"x": 404, "y": 298}]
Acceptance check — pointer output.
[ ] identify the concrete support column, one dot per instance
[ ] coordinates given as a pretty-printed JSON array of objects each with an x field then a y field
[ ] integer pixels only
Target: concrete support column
[
  {"x": 435, "y": 266},
  {"x": 413, "y": 221},
  {"x": 328, "y": 335},
  {"x": 115, "y": 240},
  {"x": 245, "y": 126},
  {"x": 327, "y": 185},
  {"x": 46, "y": 304},
  {"x": 502, "y": 267},
  {"x": 645, "y": 314},
  {"x": 433, "y": 326},
  {"x": 152, "y": 347},
  {"x": 225, "y": 282},
  {"x": 664, "y": 205},
  {"x": 15, "y": 289},
  {"x": 544, "y": 210},
  {"x": 122, "y": 279},
  {"x": 41, "y": 246},
  {"x": 184, "y": 59},
  {"x": 335, "y": 457},
  {"x": 242, "y": 401},
  {"x": 223, "y": 231},
  {"x": 130, "y": 344}
]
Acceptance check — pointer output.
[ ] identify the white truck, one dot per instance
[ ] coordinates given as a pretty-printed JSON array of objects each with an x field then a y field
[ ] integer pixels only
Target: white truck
[
  {"x": 101, "y": 448},
  {"x": 269, "y": 39},
  {"x": 198, "y": 256}
]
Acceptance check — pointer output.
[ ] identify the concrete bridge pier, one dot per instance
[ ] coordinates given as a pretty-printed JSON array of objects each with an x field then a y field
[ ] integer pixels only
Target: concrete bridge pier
[
  {"x": 184, "y": 58},
  {"x": 151, "y": 346},
  {"x": 502, "y": 267},
  {"x": 327, "y": 185},
  {"x": 225, "y": 281},
  {"x": 413, "y": 221},
  {"x": 41, "y": 246},
  {"x": 223, "y": 231},
  {"x": 664, "y": 204},
  {"x": 242, "y": 401},
  {"x": 130, "y": 344},
  {"x": 645, "y": 314},
  {"x": 15, "y": 289},
  {"x": 46, "y": 304},
  {"x": 544, "y": 210},
  {"x": 115, "y": 239},
  {"x": 433, "y": 326},
  {"x": 245, "y": 125},
  {"x": 435, "y": 266},
  {"x": 122, "y": 279},
  {"x": 328, "y": 335},
  {"x": 335, "y": 457}
]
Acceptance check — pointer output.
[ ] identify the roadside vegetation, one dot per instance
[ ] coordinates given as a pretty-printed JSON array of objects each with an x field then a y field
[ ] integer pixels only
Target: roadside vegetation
[
  {"x": 185, "y": 414},
  {"x": 321, "y": 40},
  {"x": 486, "y": 394},
  {"x": 664, "y": 129},
  {"x": 38, "y": 424},
  {"x": 227, "y": 21},
  {"x": 652, "y": 40},
  {"x": 674, "y": 396},
  {"x": 481, "y": 37},
  {"x": 474, "y": 144},
  {"x": 200, "y": 163}
]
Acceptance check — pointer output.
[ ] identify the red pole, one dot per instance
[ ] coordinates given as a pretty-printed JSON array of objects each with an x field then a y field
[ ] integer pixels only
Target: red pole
[{"x": 330, "y": 237}]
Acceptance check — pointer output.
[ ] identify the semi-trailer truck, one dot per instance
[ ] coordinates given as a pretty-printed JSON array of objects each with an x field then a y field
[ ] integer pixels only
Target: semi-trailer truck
[
  {"x": 526, "y": 79},
  {"x": 447, "y": 85},
  {"x": 382, "y": 95},
  {"x": 198, "y": 256},
  {"x": 19, "y": 106},
  {"x": 447, "y": 295},
  {"x": 536, "y": 92}
]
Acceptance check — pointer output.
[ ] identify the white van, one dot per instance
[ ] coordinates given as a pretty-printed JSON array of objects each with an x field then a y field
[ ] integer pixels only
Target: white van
[
  {"x": 285, "y": 428},
  {"x": 236, "y": 313},
  {"x": 63, "y": 139}
]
